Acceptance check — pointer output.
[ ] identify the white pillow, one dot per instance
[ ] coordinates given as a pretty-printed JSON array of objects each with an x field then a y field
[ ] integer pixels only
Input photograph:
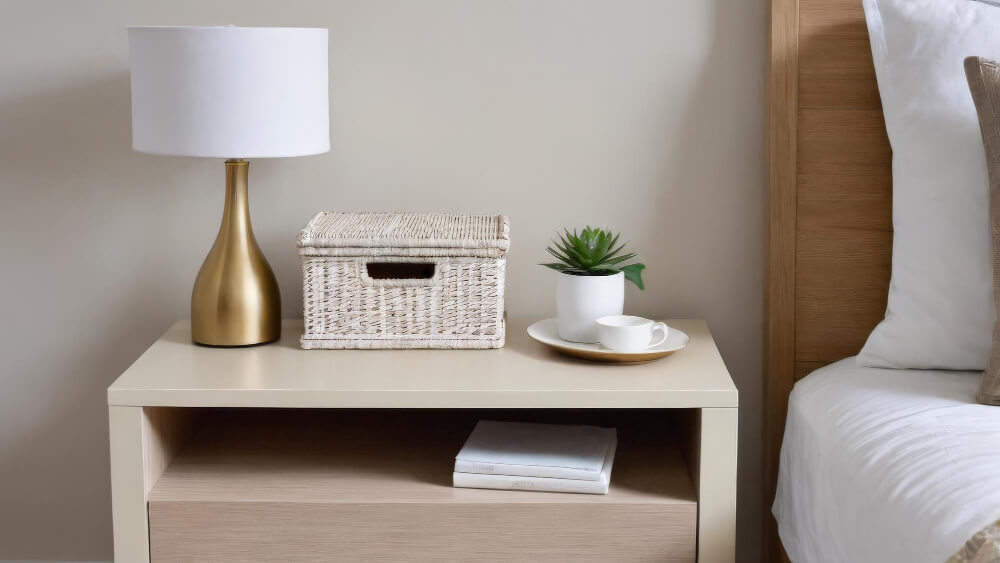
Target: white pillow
[{"x": 940, "y": 312}]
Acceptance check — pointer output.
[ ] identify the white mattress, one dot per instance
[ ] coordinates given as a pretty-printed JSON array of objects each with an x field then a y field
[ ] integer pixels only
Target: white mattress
[{"x": 886, "y": 465}]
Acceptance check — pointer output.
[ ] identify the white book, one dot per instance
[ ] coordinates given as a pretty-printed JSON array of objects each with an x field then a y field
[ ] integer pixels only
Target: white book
[
  {"x": 547, "y": 484},
  {"x": 537, "y": 450}
]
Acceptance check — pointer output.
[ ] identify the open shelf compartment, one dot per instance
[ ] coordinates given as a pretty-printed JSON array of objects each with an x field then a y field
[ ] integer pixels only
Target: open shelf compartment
[{"x": 305, "y": 484}]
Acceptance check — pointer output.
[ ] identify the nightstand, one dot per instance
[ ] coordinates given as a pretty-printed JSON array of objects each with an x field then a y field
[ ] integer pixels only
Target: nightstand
[{"x": 278, "y": 453}]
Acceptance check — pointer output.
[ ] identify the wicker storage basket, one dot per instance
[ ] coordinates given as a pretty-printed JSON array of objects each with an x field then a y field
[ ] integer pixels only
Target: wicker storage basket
[{"x": 403, "y": 280}]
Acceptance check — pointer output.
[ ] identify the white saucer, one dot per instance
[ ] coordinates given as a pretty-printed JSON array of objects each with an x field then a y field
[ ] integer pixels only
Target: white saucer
[{"x": 546, "y": 333}]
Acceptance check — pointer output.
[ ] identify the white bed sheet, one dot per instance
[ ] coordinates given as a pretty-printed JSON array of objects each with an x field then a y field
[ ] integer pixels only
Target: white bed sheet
[{"x": 886, "y": 465}]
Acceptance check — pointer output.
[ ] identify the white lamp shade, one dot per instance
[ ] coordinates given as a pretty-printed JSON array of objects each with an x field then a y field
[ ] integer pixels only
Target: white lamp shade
[{"x": 229, "y": 92}]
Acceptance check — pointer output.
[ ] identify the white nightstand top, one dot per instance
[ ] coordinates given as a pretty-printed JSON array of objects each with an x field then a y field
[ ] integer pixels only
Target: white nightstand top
[{"x": 524, "y": 374}]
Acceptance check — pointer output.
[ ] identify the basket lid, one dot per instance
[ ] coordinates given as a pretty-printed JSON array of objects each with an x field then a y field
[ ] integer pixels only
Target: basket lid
[{"x": 331, "y": 229}]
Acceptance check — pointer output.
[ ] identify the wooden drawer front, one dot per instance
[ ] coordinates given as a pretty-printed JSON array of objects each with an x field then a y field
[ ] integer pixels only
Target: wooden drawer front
[{"x": 291, "y": 532}]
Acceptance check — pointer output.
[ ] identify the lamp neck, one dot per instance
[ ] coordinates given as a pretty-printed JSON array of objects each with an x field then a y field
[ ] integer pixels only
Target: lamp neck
[{"x": 237, "y": 211}]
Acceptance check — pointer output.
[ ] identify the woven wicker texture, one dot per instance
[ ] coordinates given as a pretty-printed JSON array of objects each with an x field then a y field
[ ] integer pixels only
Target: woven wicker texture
[
  {"x": 984, "y": 81},
  {"x": 458, "y": 303},
  {"x": 405, "y": 230}
]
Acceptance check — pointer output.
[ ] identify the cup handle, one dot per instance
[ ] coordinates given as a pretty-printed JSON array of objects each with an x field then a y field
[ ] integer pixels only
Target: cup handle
[{"x": 663, "y": 327}]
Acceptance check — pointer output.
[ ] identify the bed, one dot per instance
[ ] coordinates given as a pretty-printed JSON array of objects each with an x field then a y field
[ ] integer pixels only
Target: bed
[
  {"x": 829, "y": 231},
  {"x": 886, "y": 465}
]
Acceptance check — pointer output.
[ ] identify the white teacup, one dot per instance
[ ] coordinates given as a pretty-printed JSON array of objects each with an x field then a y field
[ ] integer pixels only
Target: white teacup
[{"x": 624, "y": 333}]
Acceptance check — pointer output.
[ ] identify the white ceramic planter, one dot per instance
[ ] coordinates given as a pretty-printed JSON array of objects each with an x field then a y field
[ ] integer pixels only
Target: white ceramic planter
[{"x": 580, "y": 300}]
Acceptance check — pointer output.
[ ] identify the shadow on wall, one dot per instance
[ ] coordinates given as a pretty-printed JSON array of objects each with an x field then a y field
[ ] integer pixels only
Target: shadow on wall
[{"x": 82, "y": 296}]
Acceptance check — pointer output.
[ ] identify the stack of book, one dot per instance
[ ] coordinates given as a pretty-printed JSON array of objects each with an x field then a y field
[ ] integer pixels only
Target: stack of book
[{"x": 537, "y": 457}]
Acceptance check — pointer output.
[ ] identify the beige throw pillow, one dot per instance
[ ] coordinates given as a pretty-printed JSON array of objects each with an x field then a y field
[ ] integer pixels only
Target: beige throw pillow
[{"x": 984, "y": 81}]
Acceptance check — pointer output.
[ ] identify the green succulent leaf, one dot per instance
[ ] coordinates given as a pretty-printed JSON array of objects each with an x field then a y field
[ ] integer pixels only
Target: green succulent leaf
[
  {"x": 559, "y": 256},
  {"x": 619, "y": 259},
  {"x": 610, "y": 249},
  {"x": 570, "y": 250},
  {"x": 633, "y": 273},
  {"x": 614, "y": 251},
  {"x": 579, "y": 248}
]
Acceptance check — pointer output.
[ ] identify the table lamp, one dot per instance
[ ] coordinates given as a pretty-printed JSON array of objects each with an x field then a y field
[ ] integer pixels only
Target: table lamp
[{"x": 234, "y": 93}]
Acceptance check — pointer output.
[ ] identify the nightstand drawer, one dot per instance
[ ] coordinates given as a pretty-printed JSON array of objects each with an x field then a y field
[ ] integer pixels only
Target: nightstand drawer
[{"x": 276, "y": 531}]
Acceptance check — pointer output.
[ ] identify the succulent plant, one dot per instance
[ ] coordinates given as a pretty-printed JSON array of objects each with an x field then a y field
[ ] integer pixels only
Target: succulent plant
[{"x": 593, "y": 252}]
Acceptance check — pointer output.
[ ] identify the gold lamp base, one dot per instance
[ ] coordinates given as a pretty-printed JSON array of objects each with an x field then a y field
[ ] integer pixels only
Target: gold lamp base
[{"x": 235, "y": 301}]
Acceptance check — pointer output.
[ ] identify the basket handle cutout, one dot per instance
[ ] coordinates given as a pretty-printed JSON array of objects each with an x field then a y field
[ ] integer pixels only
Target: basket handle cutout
[{"x": 400, "y": 270}]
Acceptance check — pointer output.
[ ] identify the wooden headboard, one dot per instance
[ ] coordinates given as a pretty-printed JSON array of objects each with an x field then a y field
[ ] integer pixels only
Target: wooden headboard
[{"x": 829, "y": 226}]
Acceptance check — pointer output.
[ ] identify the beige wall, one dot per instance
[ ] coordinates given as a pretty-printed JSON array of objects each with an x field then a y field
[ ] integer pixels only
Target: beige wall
[{"x": 645, "y": 116}]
